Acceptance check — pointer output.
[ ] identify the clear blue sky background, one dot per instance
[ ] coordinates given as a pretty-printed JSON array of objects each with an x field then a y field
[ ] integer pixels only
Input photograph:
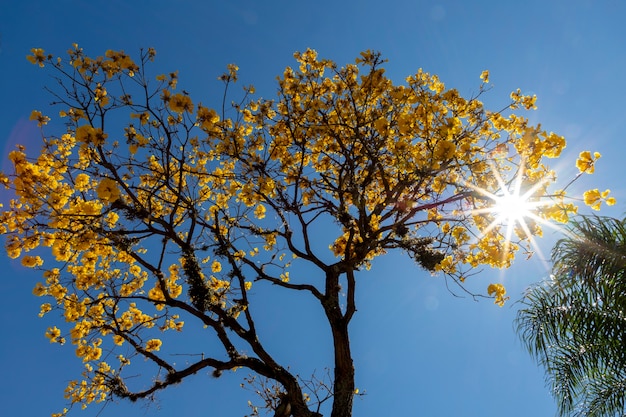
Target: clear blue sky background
[{"x": 418, "y": 350}]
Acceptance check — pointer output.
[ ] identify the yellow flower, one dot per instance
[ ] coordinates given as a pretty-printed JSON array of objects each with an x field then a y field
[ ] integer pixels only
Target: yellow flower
[
  {"x": 13, "y": 247},
  {"x": 89, "y": 353},
  {"x": 31, "y": 261},
  {"x": 111, "y": 219},
  {"x": 381, "y": 125},
  {"x": 231, "y": 75},
  {"x": 560, "y": 212},
  {"x": 604, "y": 196},
  {"x": 153, "y": 345},
  {"x": 40, "y": 290},
  {"x": 594, "y": 198},
  {"x": 107, "y": 190},
  {"x": 585, "y": 162},
  {"x": 38, "y": 56},
  {"x": 45, "y": 308},
  {"x": 81, "y": 182},
  {"x": 216, "y": 267},
  {"x": 90, "y": 135},
  {"x": 207, "y": 117},
  {"x": 485, "y": 76},
  {"x": 180, "y": 102},
  {"x": 444, "y": 150},
  {"x": 554, "y": 144},
  {"x": 259, "y": 212},
  {"x": 90, "y": 208},
  {"x": 53, "y": 334},
  {"x": 101, "y": 95},
  {"x": 173, "y": 80},
  {"x": 498, "y": 291},
  {"x": 40, "y": 118},
  {"x": 61, "y": 250},
  {"x": 232, "y": 69},
  {"x": 62, "y": 414}
]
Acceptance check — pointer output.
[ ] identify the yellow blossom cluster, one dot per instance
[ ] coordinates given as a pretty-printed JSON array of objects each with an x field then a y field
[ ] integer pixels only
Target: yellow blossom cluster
[
  {"x": 586, "y": 162},
  {"x": 93, "y": 389},
  {"x": 107, "y": 190},
  {"x": 594, "y": 198},
  {"x": 38, "y": 57},
  {"x": 153, "y": 345},
  {"x": 40, "y": 118},
  {"x": 498, "y": 292},
  {"x": 180, "y": 103}
]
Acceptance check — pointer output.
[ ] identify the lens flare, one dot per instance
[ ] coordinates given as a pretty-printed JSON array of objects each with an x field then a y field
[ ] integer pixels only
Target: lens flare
[{"x": 514, "y": 206}]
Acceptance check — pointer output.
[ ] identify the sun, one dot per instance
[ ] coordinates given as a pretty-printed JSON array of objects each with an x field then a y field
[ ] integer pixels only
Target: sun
[
  {"x": 511, "y": 207},
  {"x": 514, "y": 207}
]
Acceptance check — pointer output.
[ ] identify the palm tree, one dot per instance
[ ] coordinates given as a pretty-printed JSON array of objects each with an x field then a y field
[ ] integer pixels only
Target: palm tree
[{"x": 575, "y": 323}]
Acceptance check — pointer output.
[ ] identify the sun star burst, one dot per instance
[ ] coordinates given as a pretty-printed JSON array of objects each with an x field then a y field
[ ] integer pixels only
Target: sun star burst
[{"x": 514, "y": 208}]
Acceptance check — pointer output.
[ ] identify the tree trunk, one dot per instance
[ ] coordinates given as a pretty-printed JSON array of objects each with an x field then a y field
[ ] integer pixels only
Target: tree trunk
[
  {"x": 343, "y": 386},
  {"x": 344, "y": 371}
]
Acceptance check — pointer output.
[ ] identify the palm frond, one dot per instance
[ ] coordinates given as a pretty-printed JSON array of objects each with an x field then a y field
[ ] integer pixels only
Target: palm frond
[{"x": 575, "y": 323}]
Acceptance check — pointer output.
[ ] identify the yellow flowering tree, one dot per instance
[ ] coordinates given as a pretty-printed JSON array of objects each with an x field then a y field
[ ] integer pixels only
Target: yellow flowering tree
[{"x": 153, "y": 213}]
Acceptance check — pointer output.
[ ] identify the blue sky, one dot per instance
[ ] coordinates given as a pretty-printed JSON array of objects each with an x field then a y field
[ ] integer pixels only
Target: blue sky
[{"x": 418, "y": 350}]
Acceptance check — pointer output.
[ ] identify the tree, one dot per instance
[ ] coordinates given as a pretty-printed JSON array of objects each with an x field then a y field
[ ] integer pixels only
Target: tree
[
  {"x": 161, "y": 214},
  {"x": 574, "y": 324}
]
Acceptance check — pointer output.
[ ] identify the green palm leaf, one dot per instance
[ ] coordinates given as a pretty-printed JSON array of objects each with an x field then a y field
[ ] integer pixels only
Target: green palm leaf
[{"x": 574, "y": 324}]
